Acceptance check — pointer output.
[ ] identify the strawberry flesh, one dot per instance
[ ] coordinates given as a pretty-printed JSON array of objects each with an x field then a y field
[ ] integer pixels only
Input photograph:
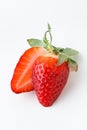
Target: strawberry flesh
[{"x": 22, "y": 76}]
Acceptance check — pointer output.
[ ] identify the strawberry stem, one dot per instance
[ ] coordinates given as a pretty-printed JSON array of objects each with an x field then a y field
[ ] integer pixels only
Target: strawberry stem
[{"x": 47, "y": 41}]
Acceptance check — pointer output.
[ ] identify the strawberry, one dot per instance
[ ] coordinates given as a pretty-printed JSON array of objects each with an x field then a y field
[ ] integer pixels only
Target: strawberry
[
  {"x": 49, "y": 79},
  {"x": 51, "y": 71},
  {"x": 44, "y": 68},
  {"x": 22, "y": 77}
]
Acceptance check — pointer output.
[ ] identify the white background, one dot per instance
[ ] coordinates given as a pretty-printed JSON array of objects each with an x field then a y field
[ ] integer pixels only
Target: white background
[{"x": 22, "y": 19}]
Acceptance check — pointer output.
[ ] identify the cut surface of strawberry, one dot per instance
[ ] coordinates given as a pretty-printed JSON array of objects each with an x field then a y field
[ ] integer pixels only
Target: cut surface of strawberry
[{"x": 22, "y": 76}]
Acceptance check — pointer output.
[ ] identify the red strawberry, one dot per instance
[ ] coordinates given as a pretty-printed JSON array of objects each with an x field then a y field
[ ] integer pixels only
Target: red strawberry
[
  {"x": 50, "y": 72},
  {"x": 22, "y": 77},
  {"x": 45, "y": 70},
  {"x": 49, "y": 78}
]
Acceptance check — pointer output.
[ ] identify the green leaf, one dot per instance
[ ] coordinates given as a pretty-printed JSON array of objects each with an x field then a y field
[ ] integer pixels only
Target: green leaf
[
  {"x": 62, "y": 58},
  {"x": 73, "y": 65},
  {"x": 70, "y": 52},
  {"x": 35, "y": 42}
]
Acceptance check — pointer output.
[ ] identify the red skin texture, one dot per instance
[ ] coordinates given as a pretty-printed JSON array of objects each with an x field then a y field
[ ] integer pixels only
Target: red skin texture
[
  {"x": 49, "y": 79},
  {"x": 22, "y": 76}
]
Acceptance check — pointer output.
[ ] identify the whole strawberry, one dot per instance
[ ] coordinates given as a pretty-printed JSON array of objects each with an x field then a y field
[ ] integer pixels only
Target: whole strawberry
[
  {"x": 49, "y": 79},
  {"x": 51, "y": 71}
]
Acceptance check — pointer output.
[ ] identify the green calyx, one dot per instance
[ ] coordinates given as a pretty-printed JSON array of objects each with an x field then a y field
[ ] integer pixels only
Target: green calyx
[{"x": 64, "y": 54}]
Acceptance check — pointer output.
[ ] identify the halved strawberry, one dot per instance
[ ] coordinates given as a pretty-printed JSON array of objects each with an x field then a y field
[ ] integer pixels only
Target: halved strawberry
[{"x": 22, "y": 77}]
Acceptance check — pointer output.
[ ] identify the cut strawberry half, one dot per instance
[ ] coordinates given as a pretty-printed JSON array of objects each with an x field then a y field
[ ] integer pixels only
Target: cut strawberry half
[{"x": 22, "y": 77}]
